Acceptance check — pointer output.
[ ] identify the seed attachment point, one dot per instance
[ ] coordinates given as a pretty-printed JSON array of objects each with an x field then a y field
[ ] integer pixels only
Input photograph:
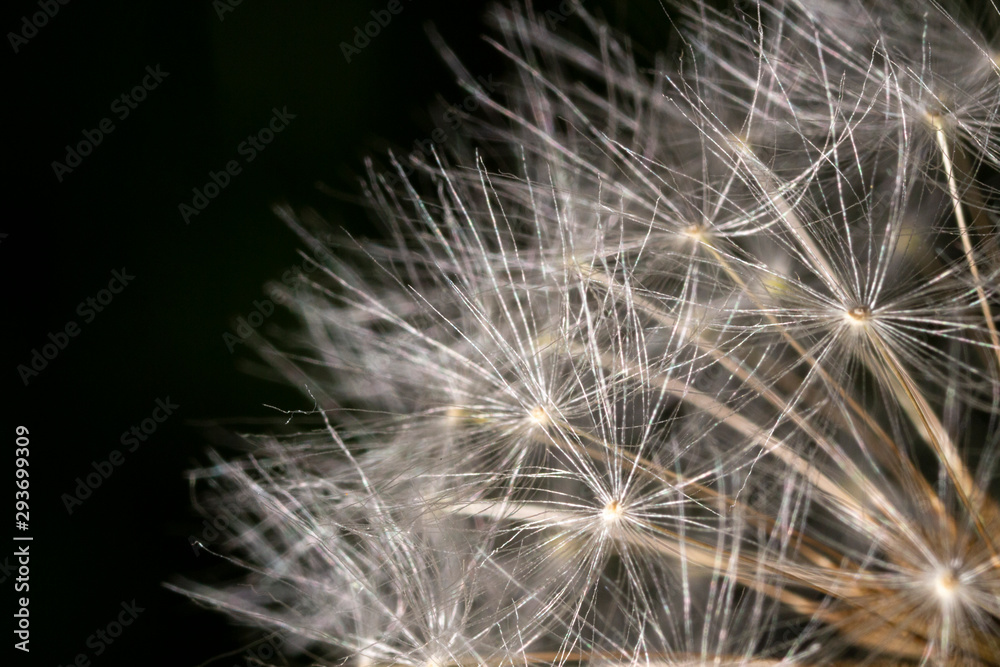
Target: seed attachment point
[
  {"x": 695, "y": 232},
  {"x": 936, "y": 120},
  {"x": 539, "y": 417},
  {"x": 858, "y": 315},
  {"x": 613, "y": 512},
  {"x": 946, "y": 585}
]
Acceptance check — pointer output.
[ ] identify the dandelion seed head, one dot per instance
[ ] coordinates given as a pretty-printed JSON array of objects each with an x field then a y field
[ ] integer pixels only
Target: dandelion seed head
[
  {"x": 613, "y": 512},
  {"x": 936, "y": 119},
  {"x": 946, "y": 584},
  {"x": 701, "y": 362},
  {"x": 696, "y": 232},
  {"x": 740, "y": 146},
  {"x": 858, "y": 315},
  {"x": 539, "y": 416}
]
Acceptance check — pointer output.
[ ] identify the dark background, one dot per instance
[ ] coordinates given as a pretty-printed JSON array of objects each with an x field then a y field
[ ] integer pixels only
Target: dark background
[{"x": 161, "y": 337}]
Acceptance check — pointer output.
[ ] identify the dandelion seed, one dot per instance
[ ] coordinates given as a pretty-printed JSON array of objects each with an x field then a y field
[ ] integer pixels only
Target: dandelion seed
[
  {"x": 946, "y": 585},
  {"x": 539, "y": 416},
  {"x": 858, "y": 315},
  {"x": 695, "y": 232},
  {"x": 698, "y": 366},
  {"x": 613, "y": 512}
]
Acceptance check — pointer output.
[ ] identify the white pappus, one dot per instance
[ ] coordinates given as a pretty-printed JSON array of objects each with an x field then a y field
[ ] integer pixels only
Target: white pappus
[{"x": 687, "y": 364}]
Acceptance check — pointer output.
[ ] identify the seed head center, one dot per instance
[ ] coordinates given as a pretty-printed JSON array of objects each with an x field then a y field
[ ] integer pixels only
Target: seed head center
[
  {"x": 538, "y": 416},
  {"x": 613, "y": 511},
  {"x": 945, "y": 585},
  {"x": 695, "y": 232},
  {"x": 858, "y": 314}
]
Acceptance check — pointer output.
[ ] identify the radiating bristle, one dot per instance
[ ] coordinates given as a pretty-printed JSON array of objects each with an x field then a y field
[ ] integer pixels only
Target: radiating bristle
[{"x": 689, "y": 366}]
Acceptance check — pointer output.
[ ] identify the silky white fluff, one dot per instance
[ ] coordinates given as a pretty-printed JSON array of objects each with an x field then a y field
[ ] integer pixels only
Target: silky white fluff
[{"x": 683, "y": 365}]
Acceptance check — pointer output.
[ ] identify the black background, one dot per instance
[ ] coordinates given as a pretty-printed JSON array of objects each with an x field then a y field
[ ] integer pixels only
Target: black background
[{"x": 162, "y": 336}]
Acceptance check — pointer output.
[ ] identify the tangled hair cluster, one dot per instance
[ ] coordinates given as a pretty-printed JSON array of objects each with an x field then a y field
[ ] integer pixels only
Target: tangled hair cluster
[{"x": 677, "y": 365}]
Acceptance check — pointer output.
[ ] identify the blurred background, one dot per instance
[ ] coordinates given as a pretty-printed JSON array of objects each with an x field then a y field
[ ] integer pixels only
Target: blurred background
[{"x": 214, "y": 74}]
